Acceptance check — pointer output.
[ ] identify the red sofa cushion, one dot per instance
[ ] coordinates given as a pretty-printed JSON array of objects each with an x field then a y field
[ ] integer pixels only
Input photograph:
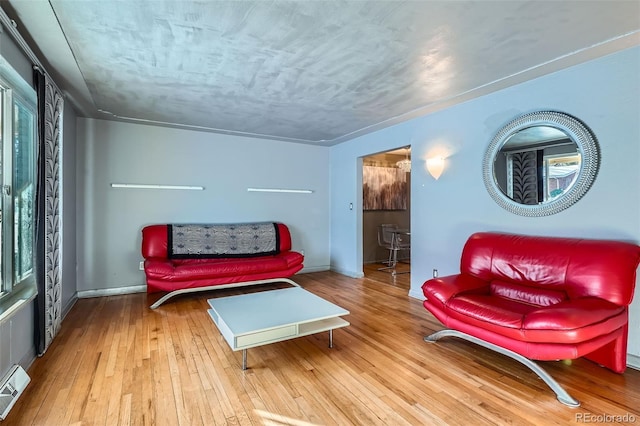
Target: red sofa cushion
[
  {"x": 532, "y": 295},
  {"x": 187, "y": 269},
  {"x": 497, "y": 311},
  {"x": 569, "y": 321}
]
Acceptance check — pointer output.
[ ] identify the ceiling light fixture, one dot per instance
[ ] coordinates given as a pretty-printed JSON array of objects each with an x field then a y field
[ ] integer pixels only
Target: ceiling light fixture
[{"x": 405, "y": 165}]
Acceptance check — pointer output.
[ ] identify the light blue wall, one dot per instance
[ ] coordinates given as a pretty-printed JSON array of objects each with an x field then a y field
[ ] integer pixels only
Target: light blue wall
[
  {"x": 110, "y": 220},
  {"x": 603, "y": 93}
]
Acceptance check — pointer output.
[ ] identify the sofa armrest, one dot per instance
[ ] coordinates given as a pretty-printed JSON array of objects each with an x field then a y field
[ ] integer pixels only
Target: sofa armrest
[
  {"x": 158, "y": 267},
  {"x": 440, "y": 290}
]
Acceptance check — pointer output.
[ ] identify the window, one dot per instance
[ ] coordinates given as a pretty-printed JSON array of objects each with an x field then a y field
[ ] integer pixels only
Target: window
[
  {"x": 17, "y": 188},
  {"x": 561, "y": 172}
]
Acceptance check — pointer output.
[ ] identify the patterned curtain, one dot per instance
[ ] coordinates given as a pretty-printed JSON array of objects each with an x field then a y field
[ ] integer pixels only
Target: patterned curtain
[
  {"x": 48, "y": 221},
  {"x": 525, "y": 177}
]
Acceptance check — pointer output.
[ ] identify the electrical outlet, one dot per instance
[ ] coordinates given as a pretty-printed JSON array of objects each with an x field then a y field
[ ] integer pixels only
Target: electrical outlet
[
  {"x": 141, "y": 266},
  {"x": 435, "y": 273}
]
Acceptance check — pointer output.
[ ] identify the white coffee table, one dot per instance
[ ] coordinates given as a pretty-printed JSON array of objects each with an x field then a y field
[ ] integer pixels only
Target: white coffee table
[{"x": 256, "y": 319}]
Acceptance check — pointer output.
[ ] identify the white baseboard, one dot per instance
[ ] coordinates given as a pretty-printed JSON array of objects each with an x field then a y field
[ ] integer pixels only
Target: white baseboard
[
  {"x": 351, "y": 274},
  {"x": 69, "y": 305},
  {"x": 416, "y": 294},
  {"x": 633, "y": 361},
  {"x": 309, "y": 269},
  {"x": 28, "y": 358},
  {"x": 112, "y": 291}
]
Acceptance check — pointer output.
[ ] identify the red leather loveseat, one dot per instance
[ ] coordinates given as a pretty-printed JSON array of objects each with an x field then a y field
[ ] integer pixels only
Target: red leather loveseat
[
  {"x": 540, "y": 298},
  {"x": 184, "y": 258}
]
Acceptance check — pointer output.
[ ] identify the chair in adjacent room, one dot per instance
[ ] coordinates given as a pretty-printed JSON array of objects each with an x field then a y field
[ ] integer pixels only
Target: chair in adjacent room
[
  {"x": 385, "y": 240},
  {"x": 402, "y": 242},
  {"x": 390, "y": 238}
]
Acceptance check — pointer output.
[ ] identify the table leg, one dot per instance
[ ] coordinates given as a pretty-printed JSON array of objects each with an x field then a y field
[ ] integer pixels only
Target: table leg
[
  {"x": 331, "y": 338},
  {"x": 244, "y": 359}
]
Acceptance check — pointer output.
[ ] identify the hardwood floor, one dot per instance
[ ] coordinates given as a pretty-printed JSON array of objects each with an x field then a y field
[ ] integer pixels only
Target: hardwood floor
[
  {"x": 401, "y": 279},
  {"x": 116, "y": 361}
]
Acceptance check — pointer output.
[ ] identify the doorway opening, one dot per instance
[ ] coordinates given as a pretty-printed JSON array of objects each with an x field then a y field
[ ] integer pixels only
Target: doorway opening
[{"x": 386, "y": 186}]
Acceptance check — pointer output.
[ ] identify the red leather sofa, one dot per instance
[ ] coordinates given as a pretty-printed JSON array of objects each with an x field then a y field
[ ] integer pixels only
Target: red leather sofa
[
  {"x": 222, "y": 256},
  {"x": 540, "y": 298}
]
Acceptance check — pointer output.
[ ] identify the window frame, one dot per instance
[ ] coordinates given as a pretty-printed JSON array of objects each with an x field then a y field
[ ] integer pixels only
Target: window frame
[{"x": 14, "y": 90}]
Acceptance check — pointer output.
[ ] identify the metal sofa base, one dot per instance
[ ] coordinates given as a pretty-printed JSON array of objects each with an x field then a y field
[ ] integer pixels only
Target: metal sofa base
[
  {"x": 220, "y": 287},
  {"x": 561, "y": 394}
]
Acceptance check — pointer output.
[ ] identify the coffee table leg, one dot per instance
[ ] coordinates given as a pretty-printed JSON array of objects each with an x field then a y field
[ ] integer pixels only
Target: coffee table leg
[
  {"x": 244, "y": 359},
  {"x": 331, "y": 338}
]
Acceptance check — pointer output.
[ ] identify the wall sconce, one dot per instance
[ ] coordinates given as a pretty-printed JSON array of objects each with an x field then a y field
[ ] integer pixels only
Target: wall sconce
[{"x": 435, "y": 166}]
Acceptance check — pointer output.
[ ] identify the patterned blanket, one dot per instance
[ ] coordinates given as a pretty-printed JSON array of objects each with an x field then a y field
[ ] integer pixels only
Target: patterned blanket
[{"x": 223, "y": 240}]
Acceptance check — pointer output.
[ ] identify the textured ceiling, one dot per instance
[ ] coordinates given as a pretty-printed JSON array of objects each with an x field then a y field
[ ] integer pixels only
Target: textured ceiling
[{"x": 309, "y": 71}]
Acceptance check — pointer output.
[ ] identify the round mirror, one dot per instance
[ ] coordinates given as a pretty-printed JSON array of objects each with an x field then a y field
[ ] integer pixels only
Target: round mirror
[{"x": 541, "y": 163}]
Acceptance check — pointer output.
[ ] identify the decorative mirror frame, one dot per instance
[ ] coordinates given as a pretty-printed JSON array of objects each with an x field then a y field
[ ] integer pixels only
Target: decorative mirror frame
[{"x": 576, "y": 130}]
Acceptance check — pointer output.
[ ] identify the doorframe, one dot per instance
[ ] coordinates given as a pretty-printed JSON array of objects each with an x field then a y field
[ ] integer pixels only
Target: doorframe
[{"x": 360, "y": 203}]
